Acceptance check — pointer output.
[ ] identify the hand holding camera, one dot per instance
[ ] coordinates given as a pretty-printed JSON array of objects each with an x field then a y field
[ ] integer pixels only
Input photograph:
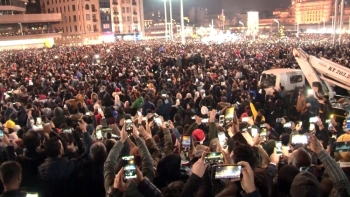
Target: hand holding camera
[
  {"x": 119, "y": 181},
  {"x": 247, "y": 180},
  {"x": 200, "y": 166}
]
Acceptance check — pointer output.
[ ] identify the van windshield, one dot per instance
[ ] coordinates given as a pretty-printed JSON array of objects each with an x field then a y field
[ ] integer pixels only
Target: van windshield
[{"x": 268, "y": 80}]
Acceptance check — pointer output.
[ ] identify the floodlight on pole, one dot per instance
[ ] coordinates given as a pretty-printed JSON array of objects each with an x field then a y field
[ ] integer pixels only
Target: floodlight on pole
[
  {"x": 165, "y": 21},
  {"x": 183, "y": 41},
  {"x": 171, "y": 21}
]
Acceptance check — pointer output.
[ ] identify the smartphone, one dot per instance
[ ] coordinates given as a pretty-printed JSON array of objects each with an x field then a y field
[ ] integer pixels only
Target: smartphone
[
  {"x": 222, "y": 139},
  {"x": 1, "y": 133},
  {"x": 347, "y": 126},
  {"x": 300, "y": 139},
  {"x": 262, "y": 126},
  {"x": 158, "y": 121},
  {"x": 229, "y": 114},
  {"x": 186, "y": 142},
  {"x": 300, "y": 123},
  {"x": 128, "y": 125},
  {"x": 328, "y": 121},
  {"x": 342, "y": 147},
  {"x": 205, "y": 120},
  {"x": 222, "y": 83},
  {"x": 312, "y": 127},
  {"x": 65, "y": 106},
  {"x": 99, "y": 109},
  {"x": 221, "y": 120},
  {"x": 313, "y": 119},
  {"x": 99, "y": 134},
  {"x": 304, "y": 169},
  {"x": 67, "y": 130},
  {"x": 232, "y": 172},
  {"x": 214, "y": 157},
  {"x": 106, "y": 130},
  {"x": 32, "y": 194},
  {"x": 279, "y": 119},
  {"x": 278, "y": 147},
  {"x": 254, "y": 131},
  {"x": 287, "y": 125},
  {"x": 139, "y": 113},
  {"x": 245, "y": 119},
  {"x": 38, "y": 120},
  {"x": 87, "y": 114},
  {"x": 129, "y": 167},
  {"x": 263, "y": 134}
]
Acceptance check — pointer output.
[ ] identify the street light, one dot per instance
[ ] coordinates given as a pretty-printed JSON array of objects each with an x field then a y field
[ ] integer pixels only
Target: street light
[
  {"x": 171, "y": 21},
  {"x": 240, "y": 22},
  {"x": 324, "y": 23},
  {"x": 165, "y": 21},
  {"x": 275, "y": 20},
  {"x": 182, "y": 22}
]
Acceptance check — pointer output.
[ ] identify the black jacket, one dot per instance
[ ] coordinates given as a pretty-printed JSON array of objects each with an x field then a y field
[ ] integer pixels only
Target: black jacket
[
  {"x": 14, "y": 193},
  {"x": 58, "y": 176}
]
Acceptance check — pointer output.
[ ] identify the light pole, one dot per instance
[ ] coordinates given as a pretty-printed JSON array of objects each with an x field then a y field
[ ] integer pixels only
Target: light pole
[
  {"x": 336, "y": 4},
  {"x": 165, "y": 21},
  {"x": 183, "y": 41},
  {"x": 278, "y": 23},
  {"x": 341, "y": 21},
  {"x": 171, "y": 21},
  {"x": 324, "y": 23}
]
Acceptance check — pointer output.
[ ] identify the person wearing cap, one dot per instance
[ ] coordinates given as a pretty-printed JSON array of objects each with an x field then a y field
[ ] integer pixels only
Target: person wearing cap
[{"x": 198, "y": 136}]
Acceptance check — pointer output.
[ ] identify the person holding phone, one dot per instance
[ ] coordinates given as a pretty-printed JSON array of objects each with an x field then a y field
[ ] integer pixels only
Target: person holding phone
[{"x": 50, "y": 172}]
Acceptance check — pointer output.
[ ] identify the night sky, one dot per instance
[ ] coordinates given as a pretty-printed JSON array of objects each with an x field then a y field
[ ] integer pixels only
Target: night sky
[{"x": 215, "y": 6}]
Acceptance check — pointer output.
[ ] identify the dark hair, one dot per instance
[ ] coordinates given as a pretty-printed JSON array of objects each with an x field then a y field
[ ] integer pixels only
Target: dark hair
[
  {"x": 53, "y": 147},
  {"x": 109, "y": 144},
  {"x": 31, "y": 140},
  {"x": 9, "y": 170},
  {"x": 177, "y": 118},
  {"x": 244, "y": 152},
  {"x": 174, "y": 189},
  {"x": 98, "y": 152}
]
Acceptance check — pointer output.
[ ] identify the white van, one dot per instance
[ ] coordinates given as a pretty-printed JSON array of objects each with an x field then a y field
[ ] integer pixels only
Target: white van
[{"x": 275, "y": 78}]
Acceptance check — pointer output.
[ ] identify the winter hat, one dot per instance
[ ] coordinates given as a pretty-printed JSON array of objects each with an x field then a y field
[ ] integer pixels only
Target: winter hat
[
  {"x": 198, "y": 135},
  {"x": 305, "y": 184}
]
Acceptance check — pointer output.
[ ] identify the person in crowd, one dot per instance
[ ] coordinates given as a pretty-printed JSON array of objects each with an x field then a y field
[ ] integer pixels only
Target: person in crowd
[
  {"x": 11, "y": 177},
  {"x": 145, "y": 119}
]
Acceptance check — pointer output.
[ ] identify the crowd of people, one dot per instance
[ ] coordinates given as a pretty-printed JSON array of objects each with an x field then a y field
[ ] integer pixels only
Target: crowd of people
[
  {"x": 17, "y": 31},
  {"x": 157, "y": 118}
]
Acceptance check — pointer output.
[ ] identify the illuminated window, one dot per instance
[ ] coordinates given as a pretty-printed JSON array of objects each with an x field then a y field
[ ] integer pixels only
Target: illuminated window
[{"x": 106, "y": 26}]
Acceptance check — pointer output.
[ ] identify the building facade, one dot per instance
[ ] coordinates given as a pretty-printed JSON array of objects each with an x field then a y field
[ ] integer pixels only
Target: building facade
[
  {"x": 20, "y": 31},
  {"x": 312, "y": 12},
  {"x": 105, "y": 15},
  {"x": 128, "y": 16},
  {"x": 80, "y": 20}
]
